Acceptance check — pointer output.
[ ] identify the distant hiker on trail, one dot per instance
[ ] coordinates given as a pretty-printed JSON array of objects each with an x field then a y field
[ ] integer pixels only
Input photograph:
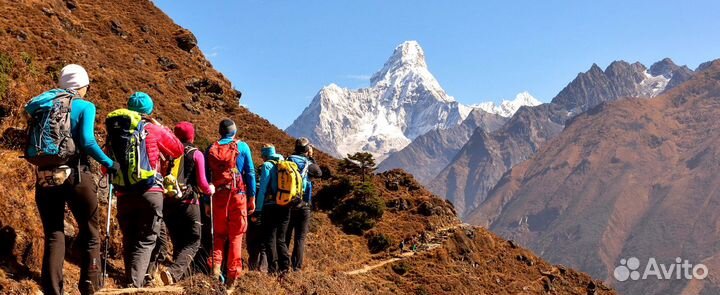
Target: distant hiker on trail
[
  {"x": 64, "y": 176},
  {"x": 275, "y": 218},
  {"x": 300, "y": 213},
  {"x": 137, "y": 142},
  {"x": 232, "y": 173},
  {"x": 184, "y": 182}
]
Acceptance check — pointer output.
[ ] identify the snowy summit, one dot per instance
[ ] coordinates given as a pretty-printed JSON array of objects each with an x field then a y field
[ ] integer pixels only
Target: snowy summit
[
  {"x": 404, "y": 101},
  {"x": 508, "y": 107}
]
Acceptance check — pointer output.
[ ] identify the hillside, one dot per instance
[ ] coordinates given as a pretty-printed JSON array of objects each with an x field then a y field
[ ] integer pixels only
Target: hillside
[
  {"x": 132, "y": 46},
  {"x": 634, "y": 178},
  {"x": 482, "y": 161}
]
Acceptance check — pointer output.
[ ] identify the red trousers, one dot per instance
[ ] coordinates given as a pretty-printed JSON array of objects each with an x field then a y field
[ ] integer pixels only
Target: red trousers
[{"x": 230, "y": 225}]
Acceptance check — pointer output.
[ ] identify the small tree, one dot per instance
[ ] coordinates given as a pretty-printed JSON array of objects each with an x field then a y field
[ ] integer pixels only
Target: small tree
[{"x": 362, "y": 163}]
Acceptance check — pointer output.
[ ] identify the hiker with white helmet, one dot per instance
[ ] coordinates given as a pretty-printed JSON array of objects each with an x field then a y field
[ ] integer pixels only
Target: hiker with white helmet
[{"x": 62, "y": 162}]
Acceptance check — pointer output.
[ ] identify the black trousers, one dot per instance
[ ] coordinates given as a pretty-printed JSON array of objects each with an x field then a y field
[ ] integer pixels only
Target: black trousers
[
  {"x": 257, "y": 257},
  {"x": 160, "y": 254},
  {"x": 183, "y": 225},
  {"x": 276, "y": 219},
  {"x": 81, "y": 196},
  {"x": 297, "y": 231},
  {"x": 139, "y": 216}
]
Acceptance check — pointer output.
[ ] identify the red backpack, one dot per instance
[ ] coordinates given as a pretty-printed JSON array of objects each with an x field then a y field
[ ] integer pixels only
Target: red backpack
[{"x": 222, "y": 160}]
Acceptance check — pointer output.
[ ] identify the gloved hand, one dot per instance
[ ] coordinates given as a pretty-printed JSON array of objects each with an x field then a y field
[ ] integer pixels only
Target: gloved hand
[
  {"x": 212, "y": 189},
  {"x": 114, "y": 169},
  {"x": 251, "y": 206}
]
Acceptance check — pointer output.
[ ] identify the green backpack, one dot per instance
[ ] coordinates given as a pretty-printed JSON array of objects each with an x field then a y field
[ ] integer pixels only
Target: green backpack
[{"x": 126, "y": 140}]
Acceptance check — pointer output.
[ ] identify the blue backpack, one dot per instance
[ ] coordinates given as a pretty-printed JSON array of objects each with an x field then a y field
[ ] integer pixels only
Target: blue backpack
[{"x": 50, "y": 143}]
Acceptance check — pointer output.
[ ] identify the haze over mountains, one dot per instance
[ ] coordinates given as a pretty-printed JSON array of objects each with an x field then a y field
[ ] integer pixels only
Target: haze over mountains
[{"x": 404, "y": 101}]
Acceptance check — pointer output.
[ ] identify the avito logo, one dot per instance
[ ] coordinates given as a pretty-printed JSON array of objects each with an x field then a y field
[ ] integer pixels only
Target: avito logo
[{"x": 681, "y": 269}]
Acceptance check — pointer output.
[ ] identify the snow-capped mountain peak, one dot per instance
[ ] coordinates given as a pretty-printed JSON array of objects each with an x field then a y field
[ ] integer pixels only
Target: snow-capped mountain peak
[
  {"x": 403, "y": 102},
  {"x": 508, "y": 107}
]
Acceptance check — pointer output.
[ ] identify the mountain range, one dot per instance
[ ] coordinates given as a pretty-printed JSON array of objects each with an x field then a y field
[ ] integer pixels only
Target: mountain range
[
  {"x": 478, "y": 166},
  {"x": 633, "y": 178},
  {"x": 404, "y": 101}
]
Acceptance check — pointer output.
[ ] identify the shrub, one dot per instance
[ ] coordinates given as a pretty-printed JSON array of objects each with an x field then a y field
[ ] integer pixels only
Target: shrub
[
  {"x": 4, "y": 85},
  {"x": 378, "y": 243},
  {"x": 422, "y": 291},
  {"x": 6, "y": 64},
  {"x": 401, "y": 268},
  {"x": 328, "y": 198},
  {"x": 361, "y": 211}
]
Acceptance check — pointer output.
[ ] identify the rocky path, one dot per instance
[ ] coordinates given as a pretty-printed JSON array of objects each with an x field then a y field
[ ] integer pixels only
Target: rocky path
[
  {"x": 156, "y": 290},
  {"x": 434, "y": 240}
]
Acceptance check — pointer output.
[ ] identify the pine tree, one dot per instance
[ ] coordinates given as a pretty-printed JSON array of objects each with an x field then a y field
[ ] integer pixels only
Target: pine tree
[{"x": 362, "y": 163}]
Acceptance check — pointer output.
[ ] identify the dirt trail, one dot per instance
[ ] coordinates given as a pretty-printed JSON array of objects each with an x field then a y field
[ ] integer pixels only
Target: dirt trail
[
  {"x": 434, "y": 240},
  {"x": 157, "y": 290}
]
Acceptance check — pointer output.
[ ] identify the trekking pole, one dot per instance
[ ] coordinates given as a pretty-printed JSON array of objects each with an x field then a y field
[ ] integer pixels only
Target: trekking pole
[
  {"x": 212, "y": 236},
  {"x": 107, "y": 233}
]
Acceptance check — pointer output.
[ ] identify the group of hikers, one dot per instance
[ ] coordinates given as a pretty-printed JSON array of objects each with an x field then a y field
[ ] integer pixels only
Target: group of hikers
[{"x": 164, "y": 187}]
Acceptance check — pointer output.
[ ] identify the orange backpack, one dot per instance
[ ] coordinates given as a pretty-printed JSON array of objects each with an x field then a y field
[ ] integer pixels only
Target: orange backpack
[{"x": 222, "y": 160}]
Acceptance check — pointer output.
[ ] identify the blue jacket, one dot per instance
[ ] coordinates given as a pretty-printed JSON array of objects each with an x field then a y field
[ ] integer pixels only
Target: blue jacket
[
  {"x": 82, "y": 123},
  {"x": 268, "y": 183},
  {"x": 244, "y": 164},
  {"x": 302, "y": 162}
]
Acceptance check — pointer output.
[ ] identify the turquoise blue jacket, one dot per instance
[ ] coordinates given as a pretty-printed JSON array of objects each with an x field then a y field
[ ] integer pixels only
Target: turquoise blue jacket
[
  {"x": 82, "y": 123},
  {"x": 268, "y": 183}
]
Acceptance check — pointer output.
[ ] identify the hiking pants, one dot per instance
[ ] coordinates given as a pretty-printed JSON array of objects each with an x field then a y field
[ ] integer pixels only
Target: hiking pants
[
  {"x": 160, "y": 253},
  {"x": 299, "y": 226},
  {"x": 230, "y": 225},
  {"x": 139, "y": 216},
  {"x": 81, "y": 197},
  {"x": 183, "y": 224},
  {"x": 276, "y": 219},
  {"x": 256, "y": 245}
]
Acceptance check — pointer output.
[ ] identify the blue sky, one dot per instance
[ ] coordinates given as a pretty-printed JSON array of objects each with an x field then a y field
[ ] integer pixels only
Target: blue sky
[{"x": 280, "y": 53}]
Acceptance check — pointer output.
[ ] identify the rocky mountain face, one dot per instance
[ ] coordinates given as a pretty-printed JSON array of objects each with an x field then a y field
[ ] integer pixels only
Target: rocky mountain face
[
  {"x": 480, "y": 164},
  {"x": 404, "y": 101},
  {"x": 131, "y": 45},
  {"x": 634, "y": 178},
  {"x": 429, "y": 153},
  {"x": 619, "y": 80},
  {"x": 486, "y": 156}
]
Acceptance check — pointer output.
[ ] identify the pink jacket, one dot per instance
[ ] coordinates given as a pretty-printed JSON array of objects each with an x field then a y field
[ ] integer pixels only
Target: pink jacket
[{"x": 161, "y": 140}]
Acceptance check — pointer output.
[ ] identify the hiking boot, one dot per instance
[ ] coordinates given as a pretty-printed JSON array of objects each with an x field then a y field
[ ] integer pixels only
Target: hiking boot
[
  {"x": 230, "y": 284},
  {"x": 217, "y": 273},
  {"x": 166, "y": 277}
]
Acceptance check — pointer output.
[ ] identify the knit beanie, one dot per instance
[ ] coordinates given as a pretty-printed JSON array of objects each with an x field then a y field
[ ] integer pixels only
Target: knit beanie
[
  {"x": 227, "y": 128},
  {"x": 73, "y": 76},
  {"x": 141, "y": 103},
  {"x": 185, "y": 131}
]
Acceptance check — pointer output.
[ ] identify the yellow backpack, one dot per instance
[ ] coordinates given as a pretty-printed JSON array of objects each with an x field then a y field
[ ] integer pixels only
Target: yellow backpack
[{"x": 290, "y": 183}]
